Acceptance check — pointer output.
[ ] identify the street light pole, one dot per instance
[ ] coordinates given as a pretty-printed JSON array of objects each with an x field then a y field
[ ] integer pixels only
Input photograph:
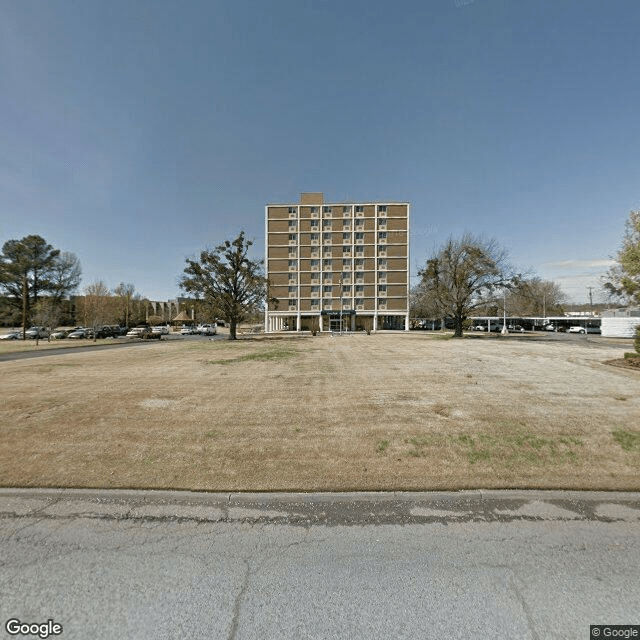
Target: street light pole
[{"x": 504, "y": 313}]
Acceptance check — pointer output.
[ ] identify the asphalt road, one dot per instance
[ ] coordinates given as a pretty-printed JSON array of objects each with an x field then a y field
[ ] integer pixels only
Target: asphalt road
[
  {"x": 127, "y": 564},
  {"x": 120, "y": 342}
]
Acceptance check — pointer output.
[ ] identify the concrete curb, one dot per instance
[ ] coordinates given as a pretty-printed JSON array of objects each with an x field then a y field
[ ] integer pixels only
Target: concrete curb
[{"x": 330, "y": 509}]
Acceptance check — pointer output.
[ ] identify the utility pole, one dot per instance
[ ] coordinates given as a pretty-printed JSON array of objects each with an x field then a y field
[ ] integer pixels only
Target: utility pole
[{"x": 590, "y": 300}]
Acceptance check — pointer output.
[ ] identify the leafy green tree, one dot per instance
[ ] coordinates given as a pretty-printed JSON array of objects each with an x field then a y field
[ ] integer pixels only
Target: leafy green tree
[
  {"x": 231, "y": 284},
  {"x": 623, "y": 279},
  {"x": 463, "y": 275},
  {"x": 31, "y": 268}
]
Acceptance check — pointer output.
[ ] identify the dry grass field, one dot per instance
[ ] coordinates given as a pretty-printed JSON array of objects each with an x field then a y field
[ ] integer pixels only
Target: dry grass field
[{"x": 354, "y": 412}]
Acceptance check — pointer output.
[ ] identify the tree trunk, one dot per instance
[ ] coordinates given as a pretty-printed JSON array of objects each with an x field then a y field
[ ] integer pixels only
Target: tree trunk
[
  {"x": 25, "y": 306},
  {"x": 232, "y": 330},
  {"x": 458, "y": 327}
]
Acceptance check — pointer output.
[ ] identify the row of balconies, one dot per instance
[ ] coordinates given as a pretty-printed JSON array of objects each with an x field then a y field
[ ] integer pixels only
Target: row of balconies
[
  {"x": 337, "y": 211},
  {"x": 359, "y": 304}
]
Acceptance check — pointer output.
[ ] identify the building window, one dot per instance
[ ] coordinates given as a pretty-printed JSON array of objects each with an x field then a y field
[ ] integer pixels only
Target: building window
[
  {"x": 346, "y": 211},
  {"x": 382, "y": 277},
  {"x": 293, "y": 292},
  {"x": 293, "y": 238},
  {"x": 292, "y": 224},
  {"x": 315, "y": 304},
  {"x": 382, "y": 209},
  {"x": 292, "y": 210},
  {"x": 326, "y": 209},
  {"x": 359, "y": 208},
  {"x": 346, "y": 250},
  {"x": 359, "y": 263},
  {"x": 382, "y": 250},
  {"x": 359, "y": 225},
  {"x": 359, "y": 237},
  {"x": 315, "y": 224},
  {"x": 346, "y": 225},
  {"x": 346, "y": 276},
  {"x": 326, "y": 238},
  {"x": 382, "y": 224},
  {"x": 346, "y": 237},
  {"x": 315, "y": 290},
  {"x": 359, "y": 277},
  {"x": 326, "y": 225},
  {"x": 315, "y": 265},
  {"x": 327, "y": 278},
  {"x": 327, "y": 263},
  {"x": 293, "y": 265},
  {"x": 382, "y": 264},
  {"x": 315, "y": 253},
  {"x": 382, "y": 289},
  {"x": 382, "y": 237},
  {"x": 315, "y": 238},
  {"x": 346, "y": 290},
  {"x": 327, "y": 288}
]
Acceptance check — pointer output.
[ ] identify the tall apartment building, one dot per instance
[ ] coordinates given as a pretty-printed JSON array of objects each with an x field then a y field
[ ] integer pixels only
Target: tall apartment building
[{"x": 337, "y": 266}]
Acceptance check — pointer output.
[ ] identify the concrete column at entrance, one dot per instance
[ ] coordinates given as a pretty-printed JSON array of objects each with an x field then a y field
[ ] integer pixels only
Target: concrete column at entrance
[
  {"x": 375, "y": 321},
  {"x": 298, "y": 322},
  {"x": 406, "y": 322}
]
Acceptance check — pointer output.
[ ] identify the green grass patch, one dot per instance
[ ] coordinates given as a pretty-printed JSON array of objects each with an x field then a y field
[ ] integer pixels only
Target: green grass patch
[
  {"x": 628, "y": 439},
  {"x": 267, "y": 355},
  {"x": 517, "y": 446},
  {"x": 382, "y": 446}
]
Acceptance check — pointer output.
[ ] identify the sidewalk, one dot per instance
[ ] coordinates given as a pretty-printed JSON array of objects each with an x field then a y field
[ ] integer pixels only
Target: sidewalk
[{"x": 322, "y": 508}]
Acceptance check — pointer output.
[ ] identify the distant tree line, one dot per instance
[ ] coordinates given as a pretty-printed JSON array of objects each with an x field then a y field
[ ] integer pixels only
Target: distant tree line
[{"x": 38, "y": 286}]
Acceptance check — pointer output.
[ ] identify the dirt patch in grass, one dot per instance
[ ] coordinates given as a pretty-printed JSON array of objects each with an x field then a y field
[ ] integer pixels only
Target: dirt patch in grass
[
  {"x": 351, "y": 412},
  {"x": 628, "y": 362}
]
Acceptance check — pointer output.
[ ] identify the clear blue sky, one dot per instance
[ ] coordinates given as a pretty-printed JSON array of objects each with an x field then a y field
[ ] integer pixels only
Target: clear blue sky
[{"x": 136, "y": 133}]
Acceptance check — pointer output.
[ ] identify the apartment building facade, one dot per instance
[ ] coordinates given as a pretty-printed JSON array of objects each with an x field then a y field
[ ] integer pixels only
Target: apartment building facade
[{"x": 337, "y": 266}]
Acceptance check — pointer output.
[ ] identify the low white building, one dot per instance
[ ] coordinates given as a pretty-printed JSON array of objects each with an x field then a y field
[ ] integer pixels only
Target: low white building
[{"x": 620, "y": 323}]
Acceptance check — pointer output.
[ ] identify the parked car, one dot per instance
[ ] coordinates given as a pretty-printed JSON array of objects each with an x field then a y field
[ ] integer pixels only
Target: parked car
[
  {"x": 207, "y": 329},
  {"x": 549, "y": 327},
  {"x": 12, "y": 335},
  {"x": 187, "y": 330},
  {"x": 77, "y": 334},
  {"x": 577, "y": 330},
  {"x": 36, "y": 332},
  {"x": 162, "y": 329},
  {"x": 138, "y": 332},
  {"x": 59, "y": 334},
  {"x": 516, "y": 328},
  {"x": 480, "y": 327}
]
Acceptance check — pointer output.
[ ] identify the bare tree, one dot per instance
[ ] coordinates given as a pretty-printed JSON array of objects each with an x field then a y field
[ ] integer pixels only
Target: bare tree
[
  {"x": 232, "y": 285},
  {"x": 125, "y": 296},
  {"x": 535, "y": 297},
  {"x": 97, "y": 306},
  {"x": 464, "y": 275}
]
